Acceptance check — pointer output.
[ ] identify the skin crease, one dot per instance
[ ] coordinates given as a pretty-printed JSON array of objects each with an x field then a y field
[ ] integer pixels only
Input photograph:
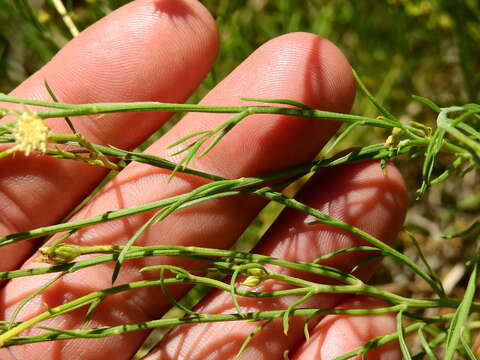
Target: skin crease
[{"x": 297, "y": 66}]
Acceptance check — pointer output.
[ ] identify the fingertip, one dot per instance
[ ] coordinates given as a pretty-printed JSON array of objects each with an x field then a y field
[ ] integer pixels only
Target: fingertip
[
  {"x": 298, "y": 66},
  {"x": 147, "y": 50},
  {"x": 321, "y": 68},
  {"x": 330, "y": 77}
]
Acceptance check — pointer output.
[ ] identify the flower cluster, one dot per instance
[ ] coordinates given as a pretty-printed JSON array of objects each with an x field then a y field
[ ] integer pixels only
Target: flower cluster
[{"x": 31, "y": 133}]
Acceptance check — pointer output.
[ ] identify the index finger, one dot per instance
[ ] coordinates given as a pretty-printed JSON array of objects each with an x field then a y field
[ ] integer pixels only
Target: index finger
[{"x": 149, "y": 50}]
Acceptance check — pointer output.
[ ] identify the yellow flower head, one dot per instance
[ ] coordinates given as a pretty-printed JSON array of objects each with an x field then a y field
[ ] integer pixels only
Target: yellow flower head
[{"x": 31, "y": 133}]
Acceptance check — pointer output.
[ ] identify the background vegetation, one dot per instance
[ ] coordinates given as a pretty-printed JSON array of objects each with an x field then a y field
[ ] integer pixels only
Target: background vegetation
[{"x": 398, "y": 47}]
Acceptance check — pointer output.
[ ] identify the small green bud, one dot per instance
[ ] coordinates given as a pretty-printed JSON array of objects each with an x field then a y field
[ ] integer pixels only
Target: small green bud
[{"x": 60, "y": 254}]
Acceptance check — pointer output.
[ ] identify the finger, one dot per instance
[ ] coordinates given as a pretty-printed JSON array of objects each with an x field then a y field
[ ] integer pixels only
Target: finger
[
  {"x": 358, "y": 194},
  {"x": 300, "y": 66},
  {"x": 6, "y": 355},
  {"x": 336, "y": 335},
  {"x": 148, "y": 50}
]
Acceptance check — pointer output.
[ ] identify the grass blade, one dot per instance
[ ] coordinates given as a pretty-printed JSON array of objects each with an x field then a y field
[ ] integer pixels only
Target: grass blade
[{"x": 91, "y": 309}]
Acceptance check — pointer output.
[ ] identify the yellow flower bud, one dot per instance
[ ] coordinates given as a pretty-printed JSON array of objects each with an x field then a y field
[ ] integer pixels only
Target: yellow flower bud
[
  {"x": 257, "y": 275},
  {"x": 252, "y": 281},
  {"x": 257, "y": 272},
  {"x": 394, "y": 139}
]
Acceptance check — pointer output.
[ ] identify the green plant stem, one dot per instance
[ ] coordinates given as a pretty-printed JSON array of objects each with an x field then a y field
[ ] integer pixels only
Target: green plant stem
[
  {"x": 379, "y": 341},
  {"x": 463, "y": 145},
  {"x": 232, "y": 186},
  {"x": 70, "y": 110},
  {"x": 444, "y": 123},
  {"x": 57, "y": 334},
  {"x": 328, "y": 220},
  {"x": 184, "y": 277},
  {"x": 305, "y": 287},
  {"x": 375, "y": 151}
]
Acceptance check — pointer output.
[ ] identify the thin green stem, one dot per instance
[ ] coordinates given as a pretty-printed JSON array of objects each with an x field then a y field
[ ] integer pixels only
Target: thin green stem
[
  {"x": 58, "y": 334},
  {"x": 63, "y": 110}
]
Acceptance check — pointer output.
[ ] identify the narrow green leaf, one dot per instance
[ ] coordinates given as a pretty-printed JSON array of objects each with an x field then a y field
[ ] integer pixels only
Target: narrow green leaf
[
  {"x": 461, "y": 315},
  {"x": 427, "y": 102},
  {"x": 306, "y": 333},
  {"x": 373, "y": 100},
  {"x": 184, "y": 149},
  {"x": 224, "y": 128},
  {"x": 473, "y": 227},
  {"x": 131, "y": 242},
  {"x": 470, "y": 130},
  {"x": 467, "y": 348},
  {"x": 25, "y": 301},
  {"x": 278, "y": 101},
  {"x": 286, "y": 315},
  {"x": 426, "y": 346},
  {"x": 91, "y": 309},
  {"x": 54, "y": 98},
  {"x": 430, "y": 159},
  {"x": 447, "y": 173},
  {"x": 346, "y": 250},
  {"x": 367, "y": 261},
  {"x": 185, "y": 138},
  {"x": 431, "y": 272},
  {"x": 340, "y": 138},
  {"x": 250, "y": 337},
  {"x": 401, "y": 337},
  {"x": 445, "y": 123}
]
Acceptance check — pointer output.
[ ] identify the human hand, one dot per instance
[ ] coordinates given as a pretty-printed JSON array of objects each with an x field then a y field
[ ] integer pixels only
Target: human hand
[{"x": 161, "y": 50}]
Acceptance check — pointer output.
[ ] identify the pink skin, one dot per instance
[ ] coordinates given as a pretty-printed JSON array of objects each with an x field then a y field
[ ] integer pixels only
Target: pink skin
[
  {"x": 338, "y": 334},
  {"x": 298, "y": 66},
  {"x": 358, "y": 194},
  {"x": 145, "y": 51}
]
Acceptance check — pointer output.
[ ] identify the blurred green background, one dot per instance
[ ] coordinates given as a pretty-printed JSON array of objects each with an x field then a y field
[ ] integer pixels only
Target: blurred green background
[{"x": 399, "y": 48}]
